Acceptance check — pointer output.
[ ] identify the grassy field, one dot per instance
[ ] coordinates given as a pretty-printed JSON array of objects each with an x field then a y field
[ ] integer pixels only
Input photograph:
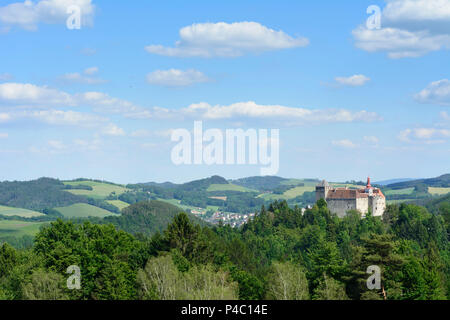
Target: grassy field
[
  {"x": 228, "y": 187},
  {"x": 99, "y": 190},
  {"x": 400, "y": 191},
  {"x": 83, "y": 210},
  {"x": 24, "y": 213},
  {"x": 289, "y": 194},
  {"x": 438, "y": 191},
  {"x": 118, "y": 203},
  {"x": 19, "y": 228}
]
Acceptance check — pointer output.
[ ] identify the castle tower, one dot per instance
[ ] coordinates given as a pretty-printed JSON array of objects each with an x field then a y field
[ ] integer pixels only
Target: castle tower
[{"x": 322, "y": 190}]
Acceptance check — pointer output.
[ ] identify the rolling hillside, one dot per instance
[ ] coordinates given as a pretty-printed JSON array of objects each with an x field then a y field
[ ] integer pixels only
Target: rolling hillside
[
  {"x": 24, "y": 213},
  {"x": 83, "y": 210}
]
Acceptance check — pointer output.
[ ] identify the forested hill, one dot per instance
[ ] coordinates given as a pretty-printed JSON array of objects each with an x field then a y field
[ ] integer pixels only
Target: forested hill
[
  {"x": 438, "y": 182},
  {"x": 148, "y": 217},
  {"x": 260, "y": 183},
  {"x": 45, "y": 193}
]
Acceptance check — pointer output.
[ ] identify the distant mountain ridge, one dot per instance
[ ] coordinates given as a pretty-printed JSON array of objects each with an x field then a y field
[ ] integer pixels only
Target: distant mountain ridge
[
  {"x": 442, "y": 181},
  {"x": 392, "y": 181}
]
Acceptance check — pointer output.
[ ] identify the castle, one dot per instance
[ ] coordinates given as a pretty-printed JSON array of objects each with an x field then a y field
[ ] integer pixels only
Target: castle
[{"x": 341, "y": 200}]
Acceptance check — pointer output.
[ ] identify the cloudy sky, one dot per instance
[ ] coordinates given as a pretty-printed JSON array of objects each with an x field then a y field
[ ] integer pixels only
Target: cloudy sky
[{"x": 101, "y": 102}]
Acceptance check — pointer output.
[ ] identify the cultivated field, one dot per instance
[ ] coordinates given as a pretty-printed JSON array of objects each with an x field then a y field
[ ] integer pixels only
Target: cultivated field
[
  {"x": 399, "y": 191},
  {"x": 19, "y": 228},
  {"x": 228, "y": 187},
  {"x": 118, "y": 203},
  {"x": 24, "y": 213},
  {"x": 438, "y": 191},
  {"x": 99, "y": 190},
  {"x": 83, "y": 210}
]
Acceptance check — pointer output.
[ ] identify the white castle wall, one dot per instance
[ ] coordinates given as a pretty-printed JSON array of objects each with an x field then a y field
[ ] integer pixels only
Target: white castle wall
[{"x": 341, "y": 206}]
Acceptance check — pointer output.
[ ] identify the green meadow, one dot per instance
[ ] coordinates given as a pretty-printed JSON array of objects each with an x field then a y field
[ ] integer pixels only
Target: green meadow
[
  {"x": 24, "y": 213},
  {"x": 118, "y": 203},
  {"x": 15, "y": 228},
  {"x": 99, "y": 190},
  {"x": 227, "y": 187},
  {"x": 83, "y": 210}
]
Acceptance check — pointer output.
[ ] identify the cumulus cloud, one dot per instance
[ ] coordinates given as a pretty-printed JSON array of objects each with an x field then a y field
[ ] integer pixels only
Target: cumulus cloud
[
  {"x": 437, "y": 92},
  {"x": 290, "y": 115},
  {"x": 176, "y": 78},
  {"x": 345, "y": 143},
  {"x": 410, "y": 28},
  {"x": 28, "y": 14},
  {"x": 19, "y": 93},
  {"x": 222, "y": 39},
  {"x": 87, "y": 77},
  {"x": 425, "y": 135},
  {"x": 356, "y": 80},
  {"x": 56, "y": 117},
  {"x": 60, "y": 147},
  {"x": 113, "y": 130}
]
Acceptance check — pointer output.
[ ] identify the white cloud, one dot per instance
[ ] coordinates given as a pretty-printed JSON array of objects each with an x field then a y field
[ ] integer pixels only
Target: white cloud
[
  {"x": 29, "y": 96},
  {"x": 3, "y": 135},
  {"x": 176, "y": 78},
  {"x": 289, "y": 115},
  {"x": 141, "y": 133},
  {"x": 87, "y": 145},
  {"x": 410, "y": 28},
  {"x": 437, "y": 92},
  {"x": 60, "y": 147},
  {"x": 347, "y": 144},
  {"x": 416, "y": 10},
  {"x": 4, "y": 117},
  {"x": 6, "y": 77},
  {"x": 227, "y": 40},
  {"x": 56, "y": 144},
  {"x": 18, "y": 93},
  {"x": 356, "y": 80},
  {"x": 28, "y": 14},
  {"x": 113, "y": 130},
  {"x": 55, "y": 117},
  {"x": 87, "y": 77},
  {"x": 91, "y": 71},
  {"x": 424, "y": 135},
  {"x": 400, "y": 43}
]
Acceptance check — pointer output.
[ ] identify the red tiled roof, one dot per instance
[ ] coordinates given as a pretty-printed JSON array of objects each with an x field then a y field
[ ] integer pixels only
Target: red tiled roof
[{"x": 344, "y": 193}]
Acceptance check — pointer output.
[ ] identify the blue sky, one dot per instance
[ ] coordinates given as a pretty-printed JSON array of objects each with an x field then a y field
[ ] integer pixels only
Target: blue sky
[{"x": 101, "y": 102}]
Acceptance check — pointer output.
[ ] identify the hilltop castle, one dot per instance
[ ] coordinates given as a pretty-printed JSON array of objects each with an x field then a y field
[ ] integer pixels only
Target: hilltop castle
[{"x": 341, "y": 200}]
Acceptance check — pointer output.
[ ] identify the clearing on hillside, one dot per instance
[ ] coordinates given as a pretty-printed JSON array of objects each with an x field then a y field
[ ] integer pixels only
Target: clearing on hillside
[
  {"x": 438, "y": 191},
  {"x": 99, "y": 190},
  {"x": 399, "y": 191},
  {"x": 118, "y": 203},
  {"x": 83, "y": 210},
  {"x": 13, "y": 228},
  {"x": 24, "y": 213},
  {"x": 228, "y": 187}
]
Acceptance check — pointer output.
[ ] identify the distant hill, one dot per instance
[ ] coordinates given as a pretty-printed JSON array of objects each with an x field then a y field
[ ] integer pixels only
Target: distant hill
[
  {"x": 392, "y": 181},
  {"x": 202, "y": 184},
  {"x": 147, "y": 217},
  {"x": 166, "y": 185},
  {"x": 267, "y": 183},
  {"x": 45, "y": 193},
  {"x": 439, "y": 182}
]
